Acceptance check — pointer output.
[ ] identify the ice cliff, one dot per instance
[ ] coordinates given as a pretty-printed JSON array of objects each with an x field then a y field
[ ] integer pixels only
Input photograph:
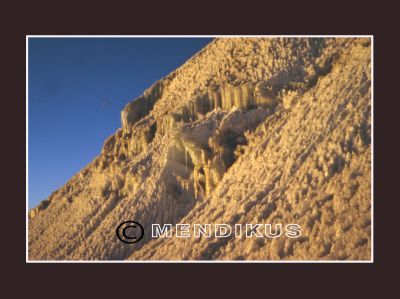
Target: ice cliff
[{"x": 249, "y": 129}]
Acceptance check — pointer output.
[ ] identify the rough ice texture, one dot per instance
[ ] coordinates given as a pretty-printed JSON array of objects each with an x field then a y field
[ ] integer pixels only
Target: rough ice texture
[{"x": 249, "y": 130}]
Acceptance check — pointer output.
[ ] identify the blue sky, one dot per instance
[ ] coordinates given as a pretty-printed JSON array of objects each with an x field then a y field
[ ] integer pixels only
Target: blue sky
[{"x": 77, "y": 89}]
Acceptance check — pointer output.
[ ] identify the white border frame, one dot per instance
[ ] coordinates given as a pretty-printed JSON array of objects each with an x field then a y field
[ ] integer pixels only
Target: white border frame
[{"x": 27, "y": 37}]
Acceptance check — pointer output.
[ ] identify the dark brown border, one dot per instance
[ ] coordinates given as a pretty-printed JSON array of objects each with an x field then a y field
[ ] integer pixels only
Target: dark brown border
[{"x": 183, "y": 280}]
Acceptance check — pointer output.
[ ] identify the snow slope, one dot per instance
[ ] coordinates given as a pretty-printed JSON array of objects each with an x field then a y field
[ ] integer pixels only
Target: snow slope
[{"x": 249, "y": 130}]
